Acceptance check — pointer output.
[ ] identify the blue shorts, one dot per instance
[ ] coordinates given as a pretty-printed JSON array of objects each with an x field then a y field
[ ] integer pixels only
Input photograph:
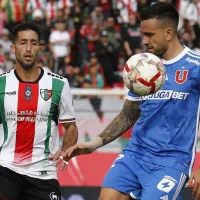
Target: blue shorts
[{"x": 144, "y": 180}]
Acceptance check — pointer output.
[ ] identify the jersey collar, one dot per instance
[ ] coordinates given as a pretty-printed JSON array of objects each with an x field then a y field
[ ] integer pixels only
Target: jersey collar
[{"x": 36, "y": 81}]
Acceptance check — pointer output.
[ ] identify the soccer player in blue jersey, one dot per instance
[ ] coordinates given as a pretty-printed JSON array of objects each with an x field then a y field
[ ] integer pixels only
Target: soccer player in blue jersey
[{"x": 157, "y": 161}]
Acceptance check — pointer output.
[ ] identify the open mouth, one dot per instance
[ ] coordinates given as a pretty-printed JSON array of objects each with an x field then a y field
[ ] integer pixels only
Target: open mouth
[{"x": 28, "y": 57}]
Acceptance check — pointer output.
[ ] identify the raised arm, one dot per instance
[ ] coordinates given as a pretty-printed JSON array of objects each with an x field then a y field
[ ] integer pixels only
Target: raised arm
[{"x": 122, "y": 122}]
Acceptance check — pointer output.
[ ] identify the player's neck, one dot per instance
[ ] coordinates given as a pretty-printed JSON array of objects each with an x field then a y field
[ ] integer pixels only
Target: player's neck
[
  {"x": 28, "y": 75},
  {"x": 174, "y": 49}
]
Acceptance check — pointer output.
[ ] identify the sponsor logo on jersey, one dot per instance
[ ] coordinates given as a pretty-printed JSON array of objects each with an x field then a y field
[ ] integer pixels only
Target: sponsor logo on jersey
[
  {"x": 43, "y": 173},
  {"x": 28, "y": 93},
  {"x": 164, "y": 197},
  {"x": 196, "y": 62},
  {"x": 46, "y": 94},
  {"x": 166, "y": 94},
  {"x": 53, "y": 196},
  {"x": 181, "y": 76},
  {"x": 11, "y": 93},
  {"x": 166, "y": 184}
]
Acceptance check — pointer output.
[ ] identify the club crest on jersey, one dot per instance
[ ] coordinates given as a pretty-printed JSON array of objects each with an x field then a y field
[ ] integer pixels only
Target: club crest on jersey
[
  {"x": 181, "y": 76},
  {"x": 28, "y": 93},
  {"x": 46, "y": 94}
]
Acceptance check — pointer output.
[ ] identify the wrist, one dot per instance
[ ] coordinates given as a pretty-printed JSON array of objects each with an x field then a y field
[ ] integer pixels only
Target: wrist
[{"x": 96, "y": 143}]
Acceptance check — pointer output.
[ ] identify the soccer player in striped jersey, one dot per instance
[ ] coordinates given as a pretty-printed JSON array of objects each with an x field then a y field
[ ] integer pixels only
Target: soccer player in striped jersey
[
  {"x": 157, "y": 161},
  {"x": 32, "y": 103}
]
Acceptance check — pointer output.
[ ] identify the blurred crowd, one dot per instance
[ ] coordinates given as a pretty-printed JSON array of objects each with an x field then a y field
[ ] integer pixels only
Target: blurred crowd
[{"x": 88, "y": 41}]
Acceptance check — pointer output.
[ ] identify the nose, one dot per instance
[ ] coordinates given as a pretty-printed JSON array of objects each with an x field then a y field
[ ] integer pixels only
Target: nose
[
  {"x": 28, "y": 46},
  {"x": 145, "y": 40}
]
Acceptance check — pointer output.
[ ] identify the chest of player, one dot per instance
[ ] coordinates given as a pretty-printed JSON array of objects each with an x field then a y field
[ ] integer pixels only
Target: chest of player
[
  {"x": 30, "y": 103},
  {"x": 180, "y": 84}
]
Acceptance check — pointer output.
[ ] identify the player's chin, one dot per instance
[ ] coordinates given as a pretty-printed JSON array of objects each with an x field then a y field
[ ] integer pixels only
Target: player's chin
[{"x": 151, "y": 50}]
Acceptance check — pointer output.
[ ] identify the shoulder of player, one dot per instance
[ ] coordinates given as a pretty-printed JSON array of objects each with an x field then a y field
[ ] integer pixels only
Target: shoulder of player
[
  {"x": 56, "y": 76},
  {"x": 5, "y": 74},
  {"x": 193, "y": 57}
]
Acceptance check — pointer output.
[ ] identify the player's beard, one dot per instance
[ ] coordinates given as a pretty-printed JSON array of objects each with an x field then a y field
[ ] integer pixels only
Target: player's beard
[{"x": 24, "y": 65}]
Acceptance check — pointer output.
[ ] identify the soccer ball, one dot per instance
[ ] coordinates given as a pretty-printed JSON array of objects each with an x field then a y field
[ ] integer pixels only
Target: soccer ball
[{"x": 144, "y": 74}]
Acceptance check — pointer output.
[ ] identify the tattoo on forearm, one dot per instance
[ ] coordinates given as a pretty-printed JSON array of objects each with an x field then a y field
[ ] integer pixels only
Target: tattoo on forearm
[{"x": 122, "y": 122}]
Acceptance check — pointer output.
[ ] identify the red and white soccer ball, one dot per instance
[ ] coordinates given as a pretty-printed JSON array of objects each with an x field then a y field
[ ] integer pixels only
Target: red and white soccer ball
[{"x": 144, "y": 74}]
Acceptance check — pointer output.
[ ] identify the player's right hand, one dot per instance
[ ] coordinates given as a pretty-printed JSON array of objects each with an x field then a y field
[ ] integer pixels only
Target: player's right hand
[{"x": 78, "y": 149}]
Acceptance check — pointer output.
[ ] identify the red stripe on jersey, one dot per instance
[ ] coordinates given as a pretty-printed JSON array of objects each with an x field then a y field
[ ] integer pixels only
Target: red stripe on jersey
[{"x": 26, "y": 117}]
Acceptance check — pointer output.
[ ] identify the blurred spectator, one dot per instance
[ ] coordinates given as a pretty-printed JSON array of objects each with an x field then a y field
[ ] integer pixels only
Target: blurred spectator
[
  {"x": 76, "y": 38},
  {"x": 5, "y": 41},
  {"x": 126, "y": 7},
  {"x": 106, "y": 6},
  {"x": 31, "y": 5},
  {"x": 41, "y": 64},
  {"x": 51, "y": 10},
  {"x": 96, "y": 79},
  {"x": 97, "y": 17},
  {"x": 106, "y": 55},
  {"x": 8, "y": 62},
  {"x": 59, "y": 18},
  {"x": 77, "y": 15},
  {"x": 45, "y": 54},
  {"x": 193, "y": 15},
  {"x": 142, "y": 4},
  {"x": 65, "y": 3},
  {"x": 89, "y": 36},
  {"x": 15, "y": 12},
  {"x": 131, "y": 35},
  {"x": 68, "y": 68},
  {"x": 3, "y": 19},
  {"x": 69, "y": 19},
  {"x": 93, "y": 60},
  {"x": 186, "y": 39},
  {"x": 38, "y": 18},
  {"x": 114, "y": 37},
  {"x": 86, "y": 84},
  {"x": 77, "y": 78},
  {"x": 59, "y": 46}
]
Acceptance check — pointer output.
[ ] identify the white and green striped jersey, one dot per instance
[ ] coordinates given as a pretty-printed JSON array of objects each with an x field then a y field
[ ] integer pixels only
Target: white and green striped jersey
[{"x": 29, "y": 114}]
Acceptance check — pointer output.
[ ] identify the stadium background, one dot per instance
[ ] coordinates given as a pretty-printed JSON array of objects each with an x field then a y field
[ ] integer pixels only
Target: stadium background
[{"x": 88, "y": 42}]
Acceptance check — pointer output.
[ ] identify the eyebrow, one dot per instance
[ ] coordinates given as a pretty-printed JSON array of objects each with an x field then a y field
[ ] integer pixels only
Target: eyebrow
[
  {"x": 32, "y": 40},
  {"x": 147, "y": 33}
]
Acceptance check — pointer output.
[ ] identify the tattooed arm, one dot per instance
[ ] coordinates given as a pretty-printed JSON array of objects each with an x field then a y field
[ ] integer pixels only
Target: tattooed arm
[{"x": 122, "y": 122}]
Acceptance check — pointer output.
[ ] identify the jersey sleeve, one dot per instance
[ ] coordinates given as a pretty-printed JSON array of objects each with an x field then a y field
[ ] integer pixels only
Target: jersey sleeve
[
  {"x": 65, "y": 107},
  {"x": 133, "y": 97}
]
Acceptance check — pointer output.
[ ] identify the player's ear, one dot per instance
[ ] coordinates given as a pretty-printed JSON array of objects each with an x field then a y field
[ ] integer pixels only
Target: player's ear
[
  {"x": 12, "y": 48},
  {"x": 169, "y": 33}
]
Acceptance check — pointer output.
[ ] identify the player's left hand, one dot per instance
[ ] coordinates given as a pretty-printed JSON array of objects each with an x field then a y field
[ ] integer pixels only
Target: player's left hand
[
  {"x": 195, "y": 177},
  {"x": 58, "y": 158}
]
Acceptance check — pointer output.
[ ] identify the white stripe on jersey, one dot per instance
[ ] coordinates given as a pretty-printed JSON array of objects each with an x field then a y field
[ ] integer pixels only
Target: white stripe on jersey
[
  {"x": 195, "y": 56},
  {"x": 194, "y": 146},
  {"x": 10, "y": 102},
  {"x": 180, "y": 185}
]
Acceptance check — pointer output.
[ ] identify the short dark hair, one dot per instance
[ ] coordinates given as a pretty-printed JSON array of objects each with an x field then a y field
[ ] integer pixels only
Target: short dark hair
[
  {"x": 161, "y": 11},
  {"x": 23, "y": 27}
]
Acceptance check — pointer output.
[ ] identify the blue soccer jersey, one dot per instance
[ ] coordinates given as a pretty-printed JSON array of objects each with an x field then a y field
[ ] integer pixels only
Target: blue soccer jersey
[{"x": 166, "y": 132}]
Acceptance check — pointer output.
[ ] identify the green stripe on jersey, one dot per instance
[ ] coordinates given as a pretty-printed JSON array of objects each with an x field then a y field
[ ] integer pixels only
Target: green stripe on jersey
[
  {"x": 57, "y": 87},
  {"x": 2, "y": 112}
]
